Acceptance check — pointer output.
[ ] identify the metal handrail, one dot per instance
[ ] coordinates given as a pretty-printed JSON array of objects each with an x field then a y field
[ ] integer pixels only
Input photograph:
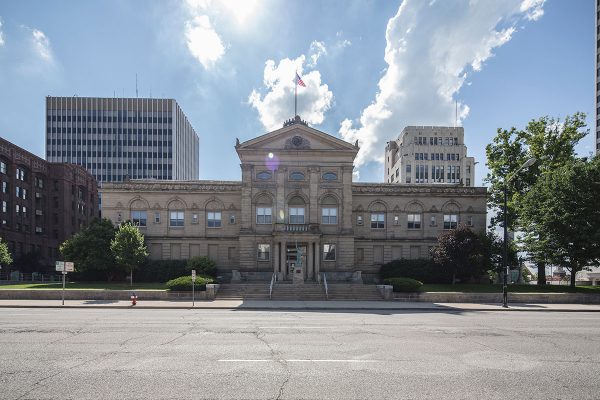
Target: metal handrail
[
  {"x": 325, "y": 284},
  {"x": 273, "y": 278}
]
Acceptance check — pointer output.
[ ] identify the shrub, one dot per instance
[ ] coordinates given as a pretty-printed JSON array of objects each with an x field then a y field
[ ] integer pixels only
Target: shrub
[
  {"x": 424, "y": 270},
  {"x": 184, "y": 283},
  {"x": 202, "y": 265},
  {"x": 404, "y": 284},
  {"x": 160, "y": 270}
]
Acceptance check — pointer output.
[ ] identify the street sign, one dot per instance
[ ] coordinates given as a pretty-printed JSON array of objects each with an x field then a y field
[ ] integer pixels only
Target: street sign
[
  {"x": 193, "y": 275},
  {"x": 60, "y": 266},
  {"x": 69, "y": 266}
]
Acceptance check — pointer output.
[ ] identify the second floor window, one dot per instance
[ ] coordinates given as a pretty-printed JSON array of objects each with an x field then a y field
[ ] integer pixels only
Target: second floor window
[
  {"x": 450, "y": 221},
  {"x": 377, "y": 220},
  {"x": 329, "y": 215},
  {"x": 414, "y": 221},
  {"x": 176, "y": 218},
  {"x": 2, "y": 167},
  {"x": 213, "y": 219},
  {"x": 263, "y": 215},
  {"x": 296, "y": 215},
  {"x": 139, "y": 218}
]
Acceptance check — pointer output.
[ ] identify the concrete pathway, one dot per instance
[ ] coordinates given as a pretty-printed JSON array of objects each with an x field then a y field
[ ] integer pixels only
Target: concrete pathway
[{"x": 299, "y": 305}]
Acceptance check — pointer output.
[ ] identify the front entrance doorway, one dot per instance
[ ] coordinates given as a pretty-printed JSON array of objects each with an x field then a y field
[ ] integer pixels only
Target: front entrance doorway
[{"x": 295, "y": 260}]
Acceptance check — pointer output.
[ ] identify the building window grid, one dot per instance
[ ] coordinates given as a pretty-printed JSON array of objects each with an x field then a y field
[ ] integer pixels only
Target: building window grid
[
  {"x": 213, "y": 219},
  {"x": 450, "y": 221},
  {"x": 176, "y": 218},
  {"x": 264, "y": 215},
  {"x": 139, "y": 218},
  {"x": 329, "y": 215},
  {"x": 377, "y": 220},
  {"x": 296, "y": 215},
  {"x": 414, "y": 221}
]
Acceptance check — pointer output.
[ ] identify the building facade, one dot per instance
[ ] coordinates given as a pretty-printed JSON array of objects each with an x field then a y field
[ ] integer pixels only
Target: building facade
[
  {"x": 429, "y": 155},
  {"x": 42, "y": 203},
  {"x": 117, "y": 138},
  {"x": 296, "y": 195}
]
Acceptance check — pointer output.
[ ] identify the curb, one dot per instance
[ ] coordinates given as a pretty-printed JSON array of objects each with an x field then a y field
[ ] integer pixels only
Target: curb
[{"x": 251, "y": 308}]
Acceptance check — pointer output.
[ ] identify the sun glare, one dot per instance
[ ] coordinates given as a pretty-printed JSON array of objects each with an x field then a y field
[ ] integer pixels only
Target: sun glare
[{"x": 241, "y": 10}]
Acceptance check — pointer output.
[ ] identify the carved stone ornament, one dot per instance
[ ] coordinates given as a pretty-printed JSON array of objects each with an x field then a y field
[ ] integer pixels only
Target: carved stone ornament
[{"x": 297, "y": 142}]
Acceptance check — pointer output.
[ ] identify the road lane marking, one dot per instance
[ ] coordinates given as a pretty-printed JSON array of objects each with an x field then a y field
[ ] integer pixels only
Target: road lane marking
[{"x": 302, "y": 360}]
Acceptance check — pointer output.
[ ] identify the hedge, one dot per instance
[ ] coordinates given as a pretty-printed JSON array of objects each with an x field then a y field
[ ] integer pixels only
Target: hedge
[
  {"x": 160, "y": 270},
  {"x": 404, "y": 284},
  {"x": 202, "y": 265},
  {"x": 184, "y": 283},
  {"x": 424, "y": 270}
]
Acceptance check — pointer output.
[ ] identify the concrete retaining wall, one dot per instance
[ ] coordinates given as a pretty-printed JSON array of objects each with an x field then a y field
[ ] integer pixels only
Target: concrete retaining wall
[
  {"x": 533, "y": 298},
  {"x": 42, "y": 294}
]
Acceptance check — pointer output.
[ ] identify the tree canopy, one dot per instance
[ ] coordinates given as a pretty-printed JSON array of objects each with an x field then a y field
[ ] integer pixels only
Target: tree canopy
[
  {"x": 89, "y": 249},
  {"x": 128, "y": 247},
  {"x": 5, "y": 257},
  {"x": 460, "y": 251},
  {"x": 561, "y": 215}
]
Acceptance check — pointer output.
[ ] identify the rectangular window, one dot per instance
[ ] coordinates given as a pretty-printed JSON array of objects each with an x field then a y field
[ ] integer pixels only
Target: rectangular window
[
  {"x": 2, "y": 167},
  {"x": 377, "y": 220},
  {"x": 176, "y": 218},
  {"x": 4, "y": 187},
  {"x": 296, "y": 215},
  {"x": 450, "y": 221},
  {"x": 139, "y": 218},
  {"x": 414, "y": 221},
  {"x": 263, "y": 252},
  {"x": 469, "y": 221},
  {"x": 329, "y": 252},
  {"x": 213, "y": 219},
  {"x": 359, "y": 220},
  {"x": 194, "y": 218},
  {"x": 329, "y": 216},
  {"x": 4, "y": 206},
  {"x": 157, "y": 218},
  {"x": 264, "y": 215}
]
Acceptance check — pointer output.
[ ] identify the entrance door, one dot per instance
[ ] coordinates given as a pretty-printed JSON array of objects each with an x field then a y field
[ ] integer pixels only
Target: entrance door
[{"x": 291, "y": 259}]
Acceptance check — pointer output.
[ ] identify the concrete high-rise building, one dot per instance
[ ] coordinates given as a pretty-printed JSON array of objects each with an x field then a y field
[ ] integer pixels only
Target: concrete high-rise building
[
  {"x": 429, "y": 154},
  {"x": 120, "y": 138},
  {"x": 597, "y": 76}
]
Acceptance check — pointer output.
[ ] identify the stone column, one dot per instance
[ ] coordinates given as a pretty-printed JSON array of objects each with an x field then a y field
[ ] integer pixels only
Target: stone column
[
  {"x": 276, "y": 257},
  {"x": 317, "y": 257},
  {"x": 309, "y": 261},
  {"x": 313, "y": 193},
  {"x": 246, "y": 212},
  {"x": 282, "y": 255}
]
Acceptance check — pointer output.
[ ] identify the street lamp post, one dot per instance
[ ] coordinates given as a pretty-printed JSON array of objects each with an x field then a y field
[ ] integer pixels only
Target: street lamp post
[{"x": 507, "y": 179}]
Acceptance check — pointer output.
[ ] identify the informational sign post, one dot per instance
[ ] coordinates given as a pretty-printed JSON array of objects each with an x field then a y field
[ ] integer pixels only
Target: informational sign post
[
  {"x": 64, "y": 267},
  {"x": 193, "y": 286}
]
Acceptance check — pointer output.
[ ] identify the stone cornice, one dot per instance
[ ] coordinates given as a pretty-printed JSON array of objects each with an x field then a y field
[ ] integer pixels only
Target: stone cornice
[
  {"x": 394, "y": 188},
  {"x": 193, "y": 186}
]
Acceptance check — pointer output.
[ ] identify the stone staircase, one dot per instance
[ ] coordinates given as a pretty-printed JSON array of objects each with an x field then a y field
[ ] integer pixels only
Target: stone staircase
[{"x": 305, "y": 292}]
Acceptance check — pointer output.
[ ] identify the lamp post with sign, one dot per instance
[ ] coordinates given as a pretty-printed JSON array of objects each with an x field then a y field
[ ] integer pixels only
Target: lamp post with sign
[
  {"x": 64, "y": 267},
  {"x": 193, "y": 286}
]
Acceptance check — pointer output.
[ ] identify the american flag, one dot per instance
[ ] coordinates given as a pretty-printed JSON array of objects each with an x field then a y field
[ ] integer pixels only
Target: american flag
[{"x": 299, "y": 80}]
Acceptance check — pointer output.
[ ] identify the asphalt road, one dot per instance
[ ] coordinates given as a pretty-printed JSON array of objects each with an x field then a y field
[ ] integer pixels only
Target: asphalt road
[{"x": 222, "y": 354}]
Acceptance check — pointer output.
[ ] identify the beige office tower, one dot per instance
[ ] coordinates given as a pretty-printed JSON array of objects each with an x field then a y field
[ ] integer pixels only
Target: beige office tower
[
  {"x": 120, "y": 138},
  {"x": 429, "y": 155}
]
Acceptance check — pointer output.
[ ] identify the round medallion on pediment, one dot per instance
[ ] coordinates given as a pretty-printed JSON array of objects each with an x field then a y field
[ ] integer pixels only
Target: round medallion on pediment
[{"x": 297, "y": 141}]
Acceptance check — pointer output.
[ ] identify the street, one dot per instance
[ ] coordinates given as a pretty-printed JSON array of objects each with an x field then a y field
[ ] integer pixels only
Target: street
[{"x": 228, "y": 354}]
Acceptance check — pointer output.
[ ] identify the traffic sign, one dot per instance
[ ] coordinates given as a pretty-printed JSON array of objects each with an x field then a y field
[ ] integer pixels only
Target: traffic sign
[
  {"x": 69, "y": 266},
  {"x": 193, "y": 275},
  {"x": 60, "y": 266}
]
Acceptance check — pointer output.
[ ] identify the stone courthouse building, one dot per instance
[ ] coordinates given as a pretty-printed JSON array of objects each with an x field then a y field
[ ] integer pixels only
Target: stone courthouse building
[{"x": 296, "y": 194}]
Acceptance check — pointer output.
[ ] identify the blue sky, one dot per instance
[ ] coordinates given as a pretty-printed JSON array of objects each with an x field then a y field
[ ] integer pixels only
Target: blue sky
[{"x": 371, "y": 67}]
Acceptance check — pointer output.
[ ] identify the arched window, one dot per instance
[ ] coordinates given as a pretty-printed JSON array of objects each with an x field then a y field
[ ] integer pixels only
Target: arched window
[
  {"x": 213, "y": 215},
  {"x": 329, "y": 210},
  {"x": 264, "y": 176},
  {"x": 139, "y": 213},
  {"x": 296, "y": 176},
  {"x": 414, "y": 215},
  {"x": 297, "y": 210},
  {"x": 264, "y": 210},
  {"x": 330, "y": 176}
]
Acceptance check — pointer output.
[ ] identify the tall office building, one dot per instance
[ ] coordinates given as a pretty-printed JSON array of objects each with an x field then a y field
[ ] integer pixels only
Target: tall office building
[
  {"x": 597, "y": 76},
  {"x": 429, "y": 154},
  {"x": 120, "y": 138}
]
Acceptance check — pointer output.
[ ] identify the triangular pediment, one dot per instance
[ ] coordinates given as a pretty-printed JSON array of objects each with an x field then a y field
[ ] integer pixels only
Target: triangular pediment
[{"x": 296, "y": 137}]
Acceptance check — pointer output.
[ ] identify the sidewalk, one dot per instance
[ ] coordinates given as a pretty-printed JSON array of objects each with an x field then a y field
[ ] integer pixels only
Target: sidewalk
[{"x": 299, "y": 305}]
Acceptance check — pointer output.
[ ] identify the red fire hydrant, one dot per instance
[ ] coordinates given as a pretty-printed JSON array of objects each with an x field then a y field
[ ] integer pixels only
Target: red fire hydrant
[{"x": 133, "y": 299}]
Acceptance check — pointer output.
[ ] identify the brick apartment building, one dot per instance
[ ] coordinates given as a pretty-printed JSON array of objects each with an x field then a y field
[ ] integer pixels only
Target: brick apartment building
[{"x": 42, "y": 203}]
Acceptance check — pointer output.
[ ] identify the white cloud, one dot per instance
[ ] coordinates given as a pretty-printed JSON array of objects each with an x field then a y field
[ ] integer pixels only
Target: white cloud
[
  {"x": 203, "y": 42},
  {"x": 41, "y": 44},
  {"x": 431, "y": 49},
  {"x": 277, "y": 105},
  {"x": 1, "y": 35},
  {"x": 317, "y": 49}
]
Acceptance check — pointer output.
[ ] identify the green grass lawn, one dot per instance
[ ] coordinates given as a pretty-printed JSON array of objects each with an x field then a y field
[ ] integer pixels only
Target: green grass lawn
[
  {"x": 487, "y": 288},
  {"x": 87, "y": 286}
]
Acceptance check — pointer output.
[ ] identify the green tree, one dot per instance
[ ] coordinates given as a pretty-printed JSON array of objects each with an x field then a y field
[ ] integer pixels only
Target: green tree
[
  {"x": 128, "y": 247},
  {"x": 89, "y": 249},
  {"x": 552, "y": 143},
  {"x": 461, "y": 252},
  {"x": 493, "y": 250},
  {"x": 561, "y": 215},
  {"x": 5, "y": 258}
]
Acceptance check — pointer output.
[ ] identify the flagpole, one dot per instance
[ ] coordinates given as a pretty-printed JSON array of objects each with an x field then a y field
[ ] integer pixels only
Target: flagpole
[{"x": 295, "y": 95}]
